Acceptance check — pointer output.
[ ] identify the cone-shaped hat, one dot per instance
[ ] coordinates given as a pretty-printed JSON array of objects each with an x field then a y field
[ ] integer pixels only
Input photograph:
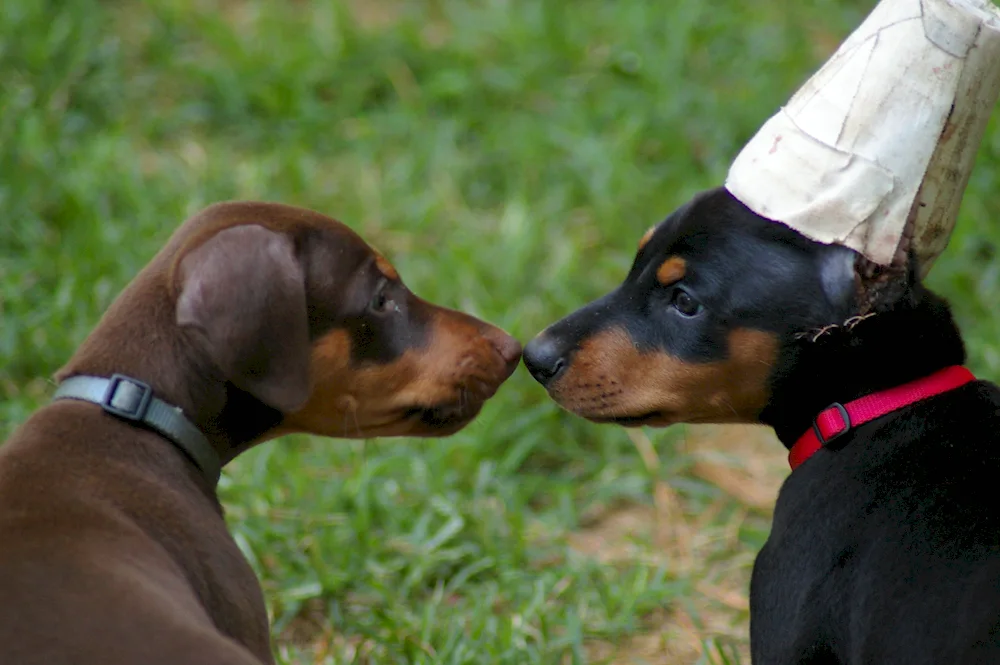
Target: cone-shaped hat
[{"x": 875, "y": 150}]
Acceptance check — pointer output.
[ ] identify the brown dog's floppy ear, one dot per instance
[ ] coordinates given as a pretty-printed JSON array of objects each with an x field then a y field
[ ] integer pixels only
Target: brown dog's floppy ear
[{"x": 244, "y": 290}]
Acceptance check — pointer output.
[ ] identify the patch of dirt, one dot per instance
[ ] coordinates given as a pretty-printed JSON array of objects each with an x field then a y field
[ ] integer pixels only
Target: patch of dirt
[
  {"x": 670, "y": 638},
  {"x": 315, "y": 643},
  {"x": 745, "y": 461},
  {"x": 749, "y": 465},
  {"x": 637, "y": 533},
  {"x": 307, "y": 629}
]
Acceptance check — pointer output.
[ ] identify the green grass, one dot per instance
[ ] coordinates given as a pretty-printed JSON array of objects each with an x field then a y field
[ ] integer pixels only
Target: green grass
[{"x": 506, "y": 155}]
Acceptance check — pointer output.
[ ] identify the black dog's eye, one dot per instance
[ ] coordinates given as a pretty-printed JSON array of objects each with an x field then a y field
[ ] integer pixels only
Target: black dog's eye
[
  {"x": 684, "y": 303},
  {"x": 380, "y": 302}
]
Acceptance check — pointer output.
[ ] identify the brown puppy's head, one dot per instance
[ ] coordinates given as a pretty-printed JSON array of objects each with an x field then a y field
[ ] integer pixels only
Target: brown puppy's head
[
  {"x": 693, "y": 333},
  {"x": 302, "y": 326},
  {"x": 302, "y": 314}
]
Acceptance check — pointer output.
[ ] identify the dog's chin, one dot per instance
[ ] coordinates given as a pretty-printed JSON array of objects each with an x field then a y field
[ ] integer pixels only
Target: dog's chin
[
  {"x": 421, "y": 421},
  {"x": 652, "y": 419},
  {"x": 441, "y": 419},
  {"x": 660, "y": 419}
]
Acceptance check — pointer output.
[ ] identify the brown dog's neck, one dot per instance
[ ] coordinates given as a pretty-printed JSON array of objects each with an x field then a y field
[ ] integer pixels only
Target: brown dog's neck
[
  {"x": 910, "y": 339},
  {"x": 243, "y": 422},
  {"x": 138, "y": 337}
]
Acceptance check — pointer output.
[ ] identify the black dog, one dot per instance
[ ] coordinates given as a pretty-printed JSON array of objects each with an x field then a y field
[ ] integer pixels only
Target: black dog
[{"x": 885, "y": 546}]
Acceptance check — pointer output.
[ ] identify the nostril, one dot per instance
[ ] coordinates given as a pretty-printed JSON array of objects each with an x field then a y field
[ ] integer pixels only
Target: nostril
[{"x": 544, "y": 359}]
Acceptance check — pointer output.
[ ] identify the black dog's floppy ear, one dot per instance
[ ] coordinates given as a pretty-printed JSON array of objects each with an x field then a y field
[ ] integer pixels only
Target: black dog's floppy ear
[
  {"x": 837, "y": 275},
  {"x": 244, "y": 290}
]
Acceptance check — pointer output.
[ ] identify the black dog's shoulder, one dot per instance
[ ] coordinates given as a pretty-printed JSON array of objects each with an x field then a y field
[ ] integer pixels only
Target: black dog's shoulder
[
  {"x": 939, "y": 456},
  {"x": 898, "y": 533}
]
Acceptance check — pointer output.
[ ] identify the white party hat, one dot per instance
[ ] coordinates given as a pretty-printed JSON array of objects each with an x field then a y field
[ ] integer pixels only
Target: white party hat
[{"x": 875, "y": 150}]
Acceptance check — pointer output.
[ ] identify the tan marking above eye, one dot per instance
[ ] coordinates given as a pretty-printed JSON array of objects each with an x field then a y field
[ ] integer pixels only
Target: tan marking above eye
[
  {"x": 646, "y": 236},
  {"x": 670, "y": 271},
  {"x": 385, "y": 267}
]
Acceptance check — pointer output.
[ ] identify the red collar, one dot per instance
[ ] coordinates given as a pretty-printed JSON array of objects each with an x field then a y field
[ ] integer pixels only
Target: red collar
[{"x": 838, "y": 418}]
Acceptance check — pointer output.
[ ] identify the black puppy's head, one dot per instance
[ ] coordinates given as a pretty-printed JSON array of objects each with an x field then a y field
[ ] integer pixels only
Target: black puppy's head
[{"x": 693, "y": 333}]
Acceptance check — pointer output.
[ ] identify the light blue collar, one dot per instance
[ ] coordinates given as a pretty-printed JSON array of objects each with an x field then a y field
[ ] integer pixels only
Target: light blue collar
[{"x": 133, "y": 401}]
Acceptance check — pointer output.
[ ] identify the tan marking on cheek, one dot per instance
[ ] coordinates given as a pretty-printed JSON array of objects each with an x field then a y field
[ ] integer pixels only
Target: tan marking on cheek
[
  {"x": 328, "y": 396},
  {"x": 346, "y": 399},
  {"x": 670, "y": 271},
  {"x": 644, "y": 240},
  {"x": 737, "y": 388},
  {"x": 609, "y": 377},
  {"x": 331, "y": 353},
  {"x": 385, "y": 267},
  {"x": 456, "y": 365}
]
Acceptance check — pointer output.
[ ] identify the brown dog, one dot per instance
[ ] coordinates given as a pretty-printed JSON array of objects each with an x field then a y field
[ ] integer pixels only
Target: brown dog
[{"x": 255, "y": 320}]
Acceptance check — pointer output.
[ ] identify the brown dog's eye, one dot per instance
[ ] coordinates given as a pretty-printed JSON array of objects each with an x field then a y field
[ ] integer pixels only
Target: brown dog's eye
[
  {"x": 380, "y": 302},
  {"x": 684, "y": 303}
]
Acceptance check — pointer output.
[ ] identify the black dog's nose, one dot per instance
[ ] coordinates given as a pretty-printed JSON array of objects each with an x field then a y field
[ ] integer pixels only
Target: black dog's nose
[{"x": 544, "y": 358}]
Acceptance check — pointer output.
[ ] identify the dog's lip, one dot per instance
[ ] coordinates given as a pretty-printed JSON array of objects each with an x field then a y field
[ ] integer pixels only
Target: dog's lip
[
  {"x": 628, "y": 421},
  {"x": 445, "y": 415},
  {"x": 449, "y": 416}
]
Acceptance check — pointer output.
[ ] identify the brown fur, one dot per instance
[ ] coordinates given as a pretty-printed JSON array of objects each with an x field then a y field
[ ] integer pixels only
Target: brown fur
[{"x": 113, "y": 549}]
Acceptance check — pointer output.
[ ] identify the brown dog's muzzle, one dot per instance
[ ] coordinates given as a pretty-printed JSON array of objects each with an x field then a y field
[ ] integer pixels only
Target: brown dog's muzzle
[{"x": 434, "y": 389}]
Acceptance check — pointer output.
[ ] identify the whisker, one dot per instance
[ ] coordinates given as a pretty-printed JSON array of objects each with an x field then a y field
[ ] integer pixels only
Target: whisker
[
  {"x": 731, "y": 407},
  {"x": 354, "y": 413}
]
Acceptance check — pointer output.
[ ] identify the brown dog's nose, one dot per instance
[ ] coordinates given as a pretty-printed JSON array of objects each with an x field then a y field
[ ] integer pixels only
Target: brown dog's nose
[{"x": 508, "y": 347}]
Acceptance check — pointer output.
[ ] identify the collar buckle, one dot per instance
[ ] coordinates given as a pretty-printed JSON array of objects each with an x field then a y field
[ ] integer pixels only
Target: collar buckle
[
  {"x": 825, "y": 421},
  {"x": 127, "y": 398}
]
